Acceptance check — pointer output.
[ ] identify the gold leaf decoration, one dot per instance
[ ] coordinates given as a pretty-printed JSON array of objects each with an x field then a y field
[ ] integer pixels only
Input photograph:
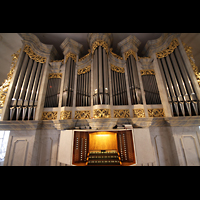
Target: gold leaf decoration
[
  {"x": 115, "y": 55},
  {"x": 84, "y": 57},
  {"x": 62, "y": 61},
  {"x": 33, "y": 55},
  {"x": 55, "y": 75},
  {"x": 156, "y": 112},
  {"x": 138, "y": 113},
  {"x": 72, "y": 55},
  {"x": 147, "y": 72},
  {"x": 190, "y": 56},
  {"x": 65, "y": 115},
  {"x": 173, "y": 45},
  {"x": 121, "y": 113},
  {"x": 99, "y": 43},
  {"x": 101, "y": 113},
  {"x": 5, "y": 85},
  {"x": 117, "y": 69},
  {"x": 82, "y": 114},
  {"x": 130, "y": 52},
  {"x": 84, "y": 70},
  {"x": 49, "y": 115}
]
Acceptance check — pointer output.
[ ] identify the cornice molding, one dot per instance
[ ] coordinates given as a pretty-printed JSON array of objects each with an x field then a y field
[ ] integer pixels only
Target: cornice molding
[
  {"x": 157, "y": 45},
  {"x": 38, "y": 47}
]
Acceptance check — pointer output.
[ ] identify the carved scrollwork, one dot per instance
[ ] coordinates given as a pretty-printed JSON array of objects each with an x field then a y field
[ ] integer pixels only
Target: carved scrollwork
[
  {"x": 72, "y": 55},
  {"x": 130, "y": 52},
  {"x": 55, "y": 75},
  {"x": 99, "y": 43},
  {"x": 33, "y": 55},
  {"x": 147, "y": 72},
  {"x": 117, "y": 69},
  {"x": 156, "y": 112},
  {"x": 65, "y": 115},
  {"x": 5, "y": 85},
  {"x": 173, "y": 45},
  {"x": 190, "y": 56},
  {"x": 84, "y": 70},
  {"x": 82, "y": 114},
  {"x": 121, "y": 113},
  {"x": 49, "y": 115},
  {"x": 138, "y": 113},
  {"x": 101, "y": 113}
]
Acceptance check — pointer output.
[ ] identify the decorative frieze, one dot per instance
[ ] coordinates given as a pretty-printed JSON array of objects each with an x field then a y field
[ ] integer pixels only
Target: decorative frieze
[
  {"x": 138, "y": 113},
  {"x": 156, "y": 112},
  {"x": 101, "y": 113},
  {"x": 33, "y": 55},
  {"x": 82, "y": 114},
  {"x": 49, "y": 115},
  {"x": 147, "y": 72},
  {"x": 173, "y": 45},
  {"x": 121, "y": 113},
  {"x": 115, "y": 55},
  {"x": 55, "y": 75},
  {"x": 117, "y": 69},
  {"x": 84, "y": 70},
  {"x": 84, "y": 57},
  {"x": 65, "y": 115}
]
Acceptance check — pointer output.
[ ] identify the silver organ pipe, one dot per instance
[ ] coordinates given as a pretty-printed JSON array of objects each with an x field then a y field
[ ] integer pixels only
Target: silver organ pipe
[
  {"x": 178, "y": 82},
  {"x": 68, "y": 88}
]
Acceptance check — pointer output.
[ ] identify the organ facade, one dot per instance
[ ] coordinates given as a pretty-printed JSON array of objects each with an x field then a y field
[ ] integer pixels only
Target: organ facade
[{"x": 102, "y": 108}]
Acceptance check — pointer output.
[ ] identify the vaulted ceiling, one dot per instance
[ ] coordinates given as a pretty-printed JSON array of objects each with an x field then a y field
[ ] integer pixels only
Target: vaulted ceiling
[{"x": 11, "y": 42}]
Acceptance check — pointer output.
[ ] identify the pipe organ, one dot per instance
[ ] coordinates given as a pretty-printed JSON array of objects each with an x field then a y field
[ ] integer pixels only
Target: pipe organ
[{"x": 101, "y": 91}]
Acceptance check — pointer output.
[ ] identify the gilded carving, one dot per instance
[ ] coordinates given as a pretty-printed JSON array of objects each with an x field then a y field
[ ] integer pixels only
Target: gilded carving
[
  {"x": 55, "y": 75},
  {"x": 101, "y": 113},
  {"x": 99, "y": 43},
  {"x": 33, "y": 55},
  {"x": 117, "y": 69},
  {"x": 84, "y": 70},
  {"x": 73, "y": 56},
  {"x": 82, "y": 114},
  {"x": 115, "y": 55},
  {"x": 173, "y": 45},
  {"x": 138, "y": 113},
  {"x": 84, "y": 57},
  {"x": 5, "y": 85},
  {"x": 156, "y": 112},
  {"x": 189, "y": 53},
  {"x": 128, "y": 53},
  {"x": 49, "y": 115},
  {"x": 62, "y": 61},
  {"x": 65, "y": 115},
  {"x": 121, "y": 113},
  {"x": 147, "y": 72}
]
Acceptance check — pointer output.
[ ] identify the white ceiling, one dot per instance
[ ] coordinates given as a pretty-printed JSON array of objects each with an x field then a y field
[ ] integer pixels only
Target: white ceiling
[{"x": 11, "y": 42}]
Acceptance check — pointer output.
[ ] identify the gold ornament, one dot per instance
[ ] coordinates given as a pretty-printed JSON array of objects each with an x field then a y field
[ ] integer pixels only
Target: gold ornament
[
  {"x": 173, "y": 45},
  {"x": 84, "y": 70},
  {"x": 99, "y": 43},
  {"x": 115, "y": 55},
  {"x": 117, "y": 69},
  {"x": 84, "y": 57},
  {"x": 33, "y": 55},
  {"x": 49, "y": 115},
  {"x": 101, "y": 113},
  {"x": 72, "y": 55},
  {"x": 55, "y": 75},
  {"x": 82, "y": 114},
  {"x": 147, "y": 72},
  {"x": 130, "y": 52},
  {"x": 121, "y": 113},
  {"x": 138, "y": 113},
  {"x": 156, "y": 112},
  {"x": 65, "y": 115}
]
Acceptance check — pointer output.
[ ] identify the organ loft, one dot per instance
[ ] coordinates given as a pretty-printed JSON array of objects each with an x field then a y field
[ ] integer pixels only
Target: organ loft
[{"x": 102, "y": 109}]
